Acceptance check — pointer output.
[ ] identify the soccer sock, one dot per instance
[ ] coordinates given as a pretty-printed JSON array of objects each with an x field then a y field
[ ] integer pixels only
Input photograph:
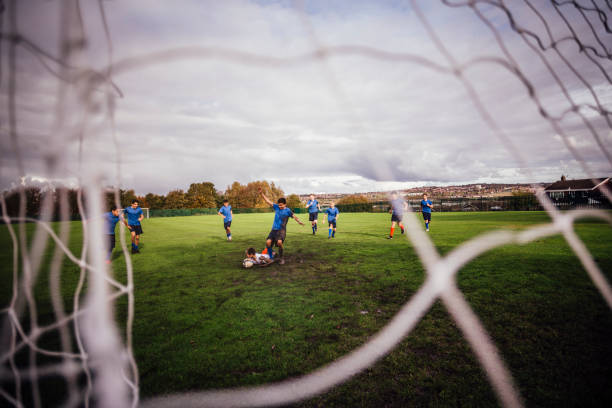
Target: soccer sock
[
  {"x": 330, "y": 231},
  {"x": 333, "y": 233},
  {"x": 269, "y": 249},
  {"x": 314, "y": 228},
  {"x": 402, "y": 227},
  {"x": 134, "y": 246},
  {"x": 391, "y": 233},
  {"x": 426, "y": 224}
]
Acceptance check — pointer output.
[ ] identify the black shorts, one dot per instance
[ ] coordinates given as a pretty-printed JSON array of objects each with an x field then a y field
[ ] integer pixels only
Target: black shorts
[
  {"x": 275, "y": 235},
  {"x": 332, "y": 223},
  {"x": 427, "y": 216},
  {"x": 111, "y": 242},
  {"x": 227, "y": 224},
  {"x": 396, "y": 217},
  {"x": 137, "y": 229},
  {"x": 313, "y": 216}
]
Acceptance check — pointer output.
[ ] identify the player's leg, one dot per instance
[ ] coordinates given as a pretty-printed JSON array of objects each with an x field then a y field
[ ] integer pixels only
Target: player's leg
[
  {"x": 269, "y": 247},
  {"x": 426, "y": 217},
  {"x": 111, "y": 246},
  {"x": 137, "y": 241},
  {"x": 334, "y": 230},
  {"x": 393, "y": 223},
  {"x": 133, "y": 236},
  {"x": 401, "y": 225},
  {"x": 329, "y": 225},
  {"x": 281, "y": 248},
  {"x": 228, "y": 231}
]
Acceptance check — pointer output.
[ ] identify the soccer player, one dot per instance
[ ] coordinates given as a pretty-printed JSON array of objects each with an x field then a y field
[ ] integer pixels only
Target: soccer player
[
  {"x": 112, "y": 218},
  {"x": 313, "y": 212},
  {"x": 279, "y": 227},
  {"x": 134, "y": 216},
  {"x": 426, "y": 207},
  {"x": 332, "y": 216},
  {"x": 226, "y": 213},
  {"x": 398, "y": 206},
  {"x": 259, "y": 259}
]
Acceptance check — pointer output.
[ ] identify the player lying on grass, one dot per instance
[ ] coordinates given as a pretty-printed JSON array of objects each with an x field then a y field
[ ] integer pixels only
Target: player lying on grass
[
  {"x": 279, "y": 226},
  {"x": 262, "y": 259},
  {"x": 332, "y": 216},
  {"x": 226, "y": 213},
  {"x": 313, "y": 212},
  {"x": 398, "y": 206}
]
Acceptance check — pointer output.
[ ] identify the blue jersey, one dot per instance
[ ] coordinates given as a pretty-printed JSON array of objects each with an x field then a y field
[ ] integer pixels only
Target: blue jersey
[
  {"x": 331, "y": 214},
  {"x": 312, "y": 206},
  {"x": 227, "y": 211},
  {"x": 424, "y": 206},
  {"x": 111, "y": 222},
  {"x": 281, "y": 217},
  {"x": 133, "y": 215},
  {"x": 398, "y": 206}
]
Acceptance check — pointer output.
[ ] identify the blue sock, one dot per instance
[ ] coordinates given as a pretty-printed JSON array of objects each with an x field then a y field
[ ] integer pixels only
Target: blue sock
[
  {"x": 313, "y": 228},
  {"x": 333, "y": 233},
  {"x": 426, "y": 225},
  {"x": 270, "y": 252},
  {"x": 134, "y": 246},
  {"x": 330, "y": 232}
]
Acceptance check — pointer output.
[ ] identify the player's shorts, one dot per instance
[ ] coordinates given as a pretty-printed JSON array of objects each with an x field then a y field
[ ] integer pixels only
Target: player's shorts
[
  {"x": 275, "y": 235},
  {"x": 111, "y": 242},
  {"x": 332, "y": 223},
  {"x": 396, "y": 217},
  {"x": 227, "y": 224},
  {"x": 427, "y": 216},
  {"x": 137, "y": 229},
  {"x": 313, "y": 216}
]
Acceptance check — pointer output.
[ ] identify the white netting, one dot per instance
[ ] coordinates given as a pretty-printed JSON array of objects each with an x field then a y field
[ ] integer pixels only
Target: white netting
[{"x": 103, "y": 370}]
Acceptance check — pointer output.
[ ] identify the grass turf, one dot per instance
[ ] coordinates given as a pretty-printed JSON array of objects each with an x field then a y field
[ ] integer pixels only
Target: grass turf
[{"x": 204, "y": 322}]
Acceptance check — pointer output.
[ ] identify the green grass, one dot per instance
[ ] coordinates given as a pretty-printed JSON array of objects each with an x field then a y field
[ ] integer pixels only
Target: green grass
[{"x": 204, "y": 322}]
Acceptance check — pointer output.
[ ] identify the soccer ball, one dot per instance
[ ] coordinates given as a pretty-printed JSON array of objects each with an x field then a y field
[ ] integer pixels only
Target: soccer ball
[{"x": 247, "y": 263}]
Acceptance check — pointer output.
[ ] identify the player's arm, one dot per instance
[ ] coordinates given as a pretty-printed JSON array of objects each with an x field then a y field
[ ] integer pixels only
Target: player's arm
[
  {"x": 141, "y": 217},
  {"x": 221, "y": 214},
  {"x": 266, "y": 199},
  {"x": 297, "y": 220},
  {"x": 125, "y": 221},
  {"x": 430, "y": 205}
]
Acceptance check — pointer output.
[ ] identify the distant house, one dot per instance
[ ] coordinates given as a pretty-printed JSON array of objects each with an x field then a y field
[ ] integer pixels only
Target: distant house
[{"x": 582, "y": 193}]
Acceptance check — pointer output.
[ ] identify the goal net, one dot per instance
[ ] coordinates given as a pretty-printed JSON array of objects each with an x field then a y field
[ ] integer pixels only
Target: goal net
[{"x": 93, "y": 356}]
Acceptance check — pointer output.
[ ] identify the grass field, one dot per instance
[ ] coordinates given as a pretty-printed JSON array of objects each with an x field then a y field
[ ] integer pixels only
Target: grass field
[{"x": 204, "y": 322}]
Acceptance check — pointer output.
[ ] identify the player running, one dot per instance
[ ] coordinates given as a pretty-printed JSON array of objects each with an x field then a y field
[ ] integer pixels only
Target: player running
[
  {"x": 398, "y": 206},
  {"x": 313, "y": 212},
  {"x": 426, "y": 207},
  {"x": 279, "y": 227},
  {"x": 134, "y": 216},
  {"x": 226, "y": 212},
  {"x": 332, "y": 216}
]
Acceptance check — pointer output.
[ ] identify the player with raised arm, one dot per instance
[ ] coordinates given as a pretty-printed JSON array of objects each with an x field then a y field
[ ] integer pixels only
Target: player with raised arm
[
  {"x": 313, "y": 212},
  {"x": 426, "y": 206},
  {"x": 398, "y": 206},
  {"x": 226, "y": 212},
  {"x": 279, "y": 226},
  {"x": 332, "y": 216},
  {"x": 134, "y": 216}
]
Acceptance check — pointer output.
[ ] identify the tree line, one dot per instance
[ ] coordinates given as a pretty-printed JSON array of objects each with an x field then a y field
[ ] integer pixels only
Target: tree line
[{"x": 198, "y": 195}]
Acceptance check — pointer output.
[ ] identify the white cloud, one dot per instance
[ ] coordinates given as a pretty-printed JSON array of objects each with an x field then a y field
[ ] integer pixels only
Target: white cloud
[{"x": 347, "y": 123}]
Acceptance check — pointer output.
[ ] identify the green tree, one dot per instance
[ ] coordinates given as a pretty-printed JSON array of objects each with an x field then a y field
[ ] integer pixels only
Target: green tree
[
  {"x": 155, "y": 202},
  {"x": 293, "y": 201},
  {"x": 201, "y": 195},
  {"x": 126, "y": 197},
  {"x": 175, "y": 199},
  {"x": 353, "y": 199}
]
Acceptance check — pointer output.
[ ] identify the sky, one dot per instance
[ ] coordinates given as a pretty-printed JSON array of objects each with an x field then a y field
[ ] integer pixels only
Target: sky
[{"x": 317, "y": 96}]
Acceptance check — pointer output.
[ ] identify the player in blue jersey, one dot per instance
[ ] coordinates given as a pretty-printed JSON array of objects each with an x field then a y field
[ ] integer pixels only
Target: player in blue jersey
[
  {"x": 398, "y": 206},
  {"x": 279, "y": 227},
  {"x": 426, "y": 206},
  {"x": 313, "y": 212},
  {"x": 332, "y": 216},
  {"x": 226, "y": 213},
  {"x": 134, "y": 216},
  {"x": 111, "y": 219}
]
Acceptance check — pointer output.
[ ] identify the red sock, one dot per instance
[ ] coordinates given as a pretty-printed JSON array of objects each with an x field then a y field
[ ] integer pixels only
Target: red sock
[
  {"x": 402, "y": 227},
  {"x": 391, "y": 234}
]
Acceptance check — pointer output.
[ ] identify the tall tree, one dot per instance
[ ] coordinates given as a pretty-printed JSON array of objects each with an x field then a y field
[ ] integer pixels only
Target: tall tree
[
  {"x": 175, "y": 199},
  {"x": 293, "y": 201},
  {"x": 201, "y": 195}
]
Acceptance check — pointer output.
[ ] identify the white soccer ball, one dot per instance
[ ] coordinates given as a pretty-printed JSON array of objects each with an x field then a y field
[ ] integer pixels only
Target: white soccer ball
[{"x": 247, "y": 263}]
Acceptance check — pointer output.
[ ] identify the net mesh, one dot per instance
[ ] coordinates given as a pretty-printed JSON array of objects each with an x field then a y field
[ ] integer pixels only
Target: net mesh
[{"x": 97, "y": 362}]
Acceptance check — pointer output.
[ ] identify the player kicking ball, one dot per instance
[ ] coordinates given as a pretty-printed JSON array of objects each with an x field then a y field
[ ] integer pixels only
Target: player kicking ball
[
  {"x": 279, "y": 226},
  {"x": 332, "y": 216},
  {"x": 313, "y": 212},
  {"x": 426, "y": 207},
  {"x": 398, "y": 206},
  {"x": 134, "y": 216},
  {"x": 226, "y": 212}
]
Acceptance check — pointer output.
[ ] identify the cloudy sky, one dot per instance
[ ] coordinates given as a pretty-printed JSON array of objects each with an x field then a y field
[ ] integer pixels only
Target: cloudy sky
[{"x": 319, "y": 96}]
